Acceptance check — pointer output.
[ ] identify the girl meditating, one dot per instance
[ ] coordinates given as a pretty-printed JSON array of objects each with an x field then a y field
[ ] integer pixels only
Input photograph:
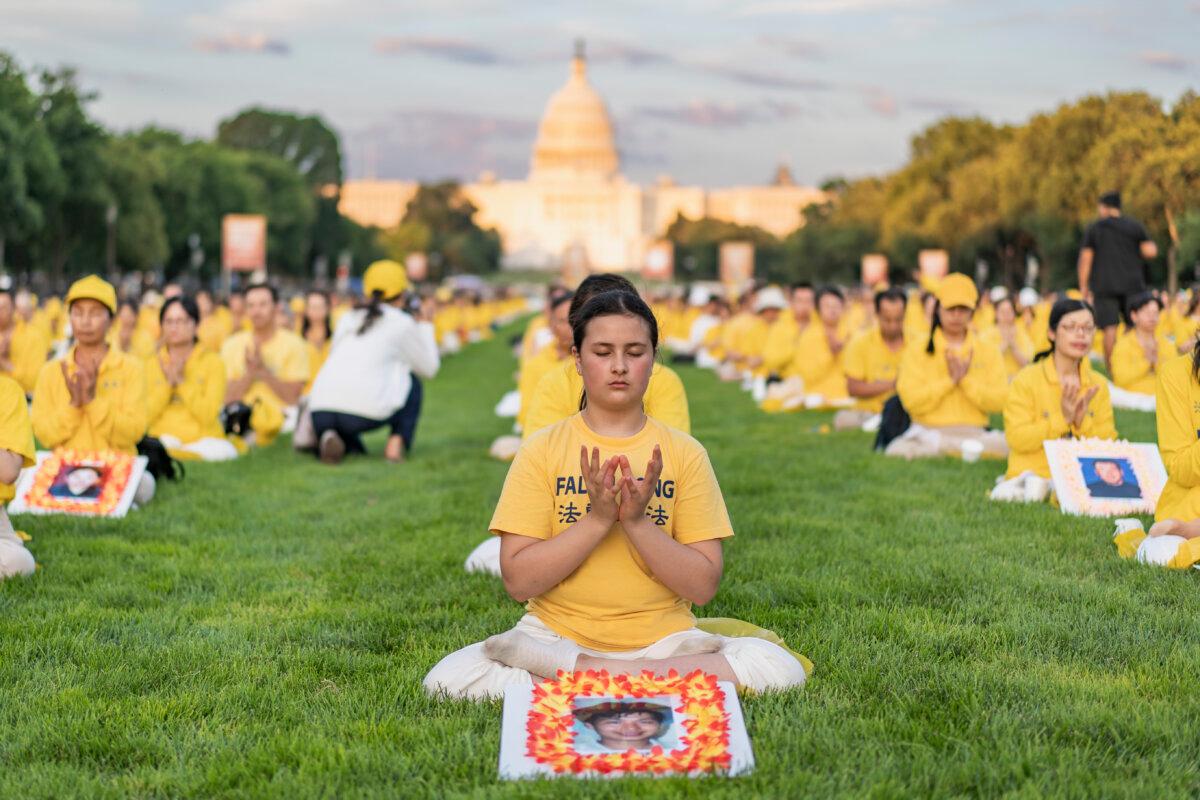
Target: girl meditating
[
  {"x": 609, "y": 561},
  {"x": 1058, "y": 396}
]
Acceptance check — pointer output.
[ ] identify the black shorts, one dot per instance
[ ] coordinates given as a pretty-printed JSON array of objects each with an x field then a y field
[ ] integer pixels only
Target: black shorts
[{"x": 1110, "y": 309}]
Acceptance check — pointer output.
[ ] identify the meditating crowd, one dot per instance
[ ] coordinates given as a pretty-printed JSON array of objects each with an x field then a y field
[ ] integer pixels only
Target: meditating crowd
[
  {"x": 207, "y": 381},
  {"x": 610, "y": 524}
]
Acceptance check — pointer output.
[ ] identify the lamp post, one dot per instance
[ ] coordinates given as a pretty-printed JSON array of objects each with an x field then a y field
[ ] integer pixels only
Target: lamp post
[{"x": 110, "y": 221}]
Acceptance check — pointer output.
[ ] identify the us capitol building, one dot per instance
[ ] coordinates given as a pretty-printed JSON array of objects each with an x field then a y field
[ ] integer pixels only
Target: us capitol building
[{"x": 575, "y": 205}]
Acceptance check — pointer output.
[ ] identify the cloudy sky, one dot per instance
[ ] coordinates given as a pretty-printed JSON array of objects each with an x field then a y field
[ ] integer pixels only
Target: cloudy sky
[{"x": 709, "y": 92}]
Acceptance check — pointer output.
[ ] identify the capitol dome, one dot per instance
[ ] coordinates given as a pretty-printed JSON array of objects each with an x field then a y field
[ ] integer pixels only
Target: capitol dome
[{"x": 575, "y": 138}]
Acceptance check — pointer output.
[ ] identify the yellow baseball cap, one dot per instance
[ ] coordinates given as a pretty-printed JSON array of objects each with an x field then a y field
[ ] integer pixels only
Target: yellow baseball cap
[
  {"x": 957, "y": 289},
  {"x": 387, "y": 277},
  {"x": 93, "y": 287}
]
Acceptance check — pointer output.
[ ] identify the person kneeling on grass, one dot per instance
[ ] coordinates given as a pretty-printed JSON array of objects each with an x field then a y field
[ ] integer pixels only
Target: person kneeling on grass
[
  {"x": 952, "y": 383},
  {"x": 94, "y": 397},
  {"x": 185, "y": 388},
  {"x": 609, "y": 563},
  {"x": 266, "y": 368},
  {"x": 16, "y": 452},
  {"x": 1058, "y": 396},
  {"x": 370, "y": 379}
]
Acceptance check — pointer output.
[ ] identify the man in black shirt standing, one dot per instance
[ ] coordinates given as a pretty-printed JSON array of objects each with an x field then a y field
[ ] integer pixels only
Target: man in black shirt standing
[{"x": 1111, "y": 266}]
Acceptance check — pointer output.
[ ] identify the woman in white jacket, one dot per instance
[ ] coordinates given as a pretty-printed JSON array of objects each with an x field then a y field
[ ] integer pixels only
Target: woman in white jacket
[{"x": 371, "y": 378}]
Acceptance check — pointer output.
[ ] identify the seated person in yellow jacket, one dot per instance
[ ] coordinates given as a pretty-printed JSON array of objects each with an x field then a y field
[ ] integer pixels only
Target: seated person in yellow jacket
[
  {"x": 769, "y": 306},
  {"x": 560, "y": 392},
  {"x": 1178, "y": 414},
  {"x": 950, "y": 384},
  {"x": 872, "y": 361},
  {"x": 128, "y": 334},
  {"x": 553, "y": 356},
  {"x": 1058, "y": 396},
  {"x": 24, "y": 346},
  {"x": 266, "y": 367},
  {"x": 1140, "y": 348},
  {"x": 780, "y": 347},
  {"x": 16, "y": 452},
  {"x": 94, "y": 397},
  {"x": 814, "y": 377},
  {"x": 185, "y": 388},
  {"x": 1009, "y": 337}
]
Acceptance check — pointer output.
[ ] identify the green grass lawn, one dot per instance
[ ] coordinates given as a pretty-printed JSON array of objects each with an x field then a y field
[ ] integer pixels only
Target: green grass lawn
[{"x": 262, "y": 628}]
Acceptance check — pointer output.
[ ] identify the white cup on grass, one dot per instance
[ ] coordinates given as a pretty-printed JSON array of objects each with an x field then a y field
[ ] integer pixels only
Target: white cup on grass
[{"x": 972, "y": 449}]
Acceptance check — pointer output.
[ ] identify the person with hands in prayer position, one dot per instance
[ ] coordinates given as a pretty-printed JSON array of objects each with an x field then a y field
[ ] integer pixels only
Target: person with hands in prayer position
[{"x": 609, "y": 563}]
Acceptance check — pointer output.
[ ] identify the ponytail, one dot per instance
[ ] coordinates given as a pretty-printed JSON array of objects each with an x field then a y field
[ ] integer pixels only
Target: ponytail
[
  {"x": 934, "y": 325},
  {"x": 374, "y": 309}
]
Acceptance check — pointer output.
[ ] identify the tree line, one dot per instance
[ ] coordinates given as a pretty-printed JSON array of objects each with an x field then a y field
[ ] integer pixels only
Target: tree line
[{"x": 1005, "y": 196}]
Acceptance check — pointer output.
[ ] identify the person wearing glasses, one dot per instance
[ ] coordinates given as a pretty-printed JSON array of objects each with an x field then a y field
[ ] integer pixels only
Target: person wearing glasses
[{"x": 1057, "y": 396}]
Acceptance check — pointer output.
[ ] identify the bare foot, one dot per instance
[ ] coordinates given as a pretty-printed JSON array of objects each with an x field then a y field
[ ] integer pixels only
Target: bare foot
[
  {"x": 1164, "y": 528},
  {"x": 522, "y": 651},
  {"x": 394, "y": 452}
]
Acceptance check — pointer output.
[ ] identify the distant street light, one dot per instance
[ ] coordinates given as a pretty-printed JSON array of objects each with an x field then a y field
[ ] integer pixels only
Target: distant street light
[
  {"x": 110, "y": 221},
  {"x": 196, "y": 259}
]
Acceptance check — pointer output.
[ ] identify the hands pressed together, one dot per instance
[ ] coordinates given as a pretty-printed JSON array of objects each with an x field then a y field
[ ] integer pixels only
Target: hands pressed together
[
  {"x": 613, "y": 491},
  {"x": 1075, "y": 400},
  {"x": 81, "y": 385},
  {"x": 958, "y": 367}
]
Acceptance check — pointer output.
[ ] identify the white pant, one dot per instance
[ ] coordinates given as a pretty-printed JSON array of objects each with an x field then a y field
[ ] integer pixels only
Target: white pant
[
  {"x": 485, "y": 557},
  {"x": 14, "y": 558},
  {"x": 757, "y": 664},
  {"x": 210, "y": 448}
]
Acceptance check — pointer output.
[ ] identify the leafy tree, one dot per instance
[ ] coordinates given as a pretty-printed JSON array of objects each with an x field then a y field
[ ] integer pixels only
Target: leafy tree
[
  {"x": 456, "y": 243},
  {"x": 307, "y": 142}
]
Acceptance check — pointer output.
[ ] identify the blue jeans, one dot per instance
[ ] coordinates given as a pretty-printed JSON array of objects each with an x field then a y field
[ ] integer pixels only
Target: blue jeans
[{"x": 351, "y": 427}]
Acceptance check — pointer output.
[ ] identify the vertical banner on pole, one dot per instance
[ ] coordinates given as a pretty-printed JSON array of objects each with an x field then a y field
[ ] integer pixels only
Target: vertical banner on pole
[
  {"x": 874, "y": 269},
  {"x": 933, "y": 264},
  {"x": 660, "y": 261},
  {"x": 243, "y": 244},
  {"x": 736, "y": 263},
  {"x": 417, "y": 266}
]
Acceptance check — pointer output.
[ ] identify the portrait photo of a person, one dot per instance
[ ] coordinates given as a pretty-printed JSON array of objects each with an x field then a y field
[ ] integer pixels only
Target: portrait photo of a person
[
  {"x": 1110, "y": 478},
  {"x": 617, "y": 726},
  {"x": 79, "y": 482}
]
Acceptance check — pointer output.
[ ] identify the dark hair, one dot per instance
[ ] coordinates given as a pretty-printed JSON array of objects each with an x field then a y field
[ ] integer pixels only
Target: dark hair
[
  {"x": 597, "y": 284},
  {"x": 618, "y": 302},
  {"x": 189, "y": 307},
  {"x": 801, "y": 285},
  {"x": 305, "y": 324},
  {"x": 892, "y": 293},
  {"x": 1007, "y": 299},
  {"x": 1060, "y": 309},
  {"x": 1138, "y": 302},
  {"x": 261, "y": 285},
  {"x": 559, "y": 298},
  {"x": 830, "y": 290},
  {"x": 1111, "y": 199},
  {"x": 934, "y": 324}
]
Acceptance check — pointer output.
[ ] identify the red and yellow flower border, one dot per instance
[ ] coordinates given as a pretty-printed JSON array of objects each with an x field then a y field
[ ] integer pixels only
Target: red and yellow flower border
[
  {"x": 703, "y": 748},
  {"x": 117, "y": 468}
]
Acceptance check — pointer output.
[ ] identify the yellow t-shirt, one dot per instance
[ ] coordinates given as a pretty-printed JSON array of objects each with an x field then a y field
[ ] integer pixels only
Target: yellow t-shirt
[
  {"x": 285, "y": 354},
  {"x": 815, "y": 362},
  {"x": 1033, "y": 415},
  {"x": 114, "y": 420},
  {"x": 557, "y": 397},
  {"x": 16, "y": 433},
  {"x": 867, "y": 358},
  {"x": 612, "y": 601},
  {"x": 1131, "y": 370},
  {"x": 190, "y": 411},
  {"x": 533, "y": 369},
  {"x": 1021, "y": 342},
  {"x": 28, "y": 349}
]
